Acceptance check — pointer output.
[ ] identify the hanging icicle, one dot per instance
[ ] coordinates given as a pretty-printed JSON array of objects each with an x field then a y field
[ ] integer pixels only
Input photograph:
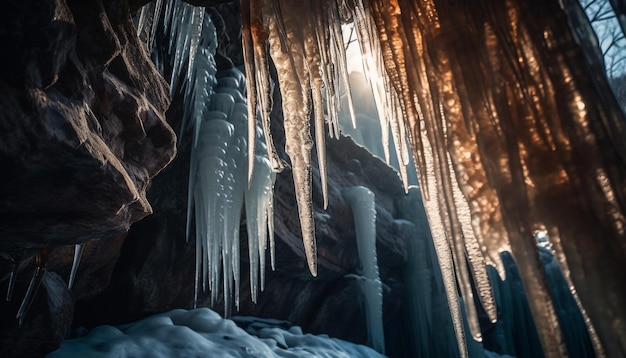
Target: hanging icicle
[
  {"x": 480, "y": 91},
  {"x": 40, "y": 269},
  {"x": 78, "y": 252},
  {"x": 15, "y": 264},
  {"x": 310, "y": 60}
]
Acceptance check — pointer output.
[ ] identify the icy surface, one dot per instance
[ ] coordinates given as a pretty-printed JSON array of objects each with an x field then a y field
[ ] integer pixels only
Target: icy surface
[
  {"x": 203, "y": 333},
  {"x": 480, "y": 95},
  {"x": 361, "y": 200}
]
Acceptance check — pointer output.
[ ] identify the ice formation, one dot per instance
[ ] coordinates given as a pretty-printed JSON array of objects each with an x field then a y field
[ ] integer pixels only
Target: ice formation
[
  {"x": 15, "y": 263},
  {"x": 310, "y": 60},
  {"x": 216, "y": 113},
  {"x": 33, "y": 286},
  {"x": 203, "y": 333},
  {"x": 481, "y": 92},
  {"x": 78, "y": 252},
  {"x": 218, "y": 184},
  {"x": 361, "y": 200}
]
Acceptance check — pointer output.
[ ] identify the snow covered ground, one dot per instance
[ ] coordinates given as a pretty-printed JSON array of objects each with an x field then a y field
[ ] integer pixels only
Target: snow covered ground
[{"x": 204, "y": 333}]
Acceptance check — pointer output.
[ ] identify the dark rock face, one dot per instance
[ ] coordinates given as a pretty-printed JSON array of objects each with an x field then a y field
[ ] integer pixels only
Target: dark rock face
[
  {"x": 82, "y": 123},
  {"x": 82, "y": 132}
]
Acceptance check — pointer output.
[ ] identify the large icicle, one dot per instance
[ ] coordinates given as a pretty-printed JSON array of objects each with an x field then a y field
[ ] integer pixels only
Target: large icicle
[
  {"x": 362, "y": 202},
  {"x": 308, "y": 54}
]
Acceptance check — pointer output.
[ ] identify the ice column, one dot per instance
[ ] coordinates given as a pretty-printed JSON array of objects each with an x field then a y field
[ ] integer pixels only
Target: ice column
[
  {"x": 361, "y": 200},
  {"x": 218, "y": 187}
]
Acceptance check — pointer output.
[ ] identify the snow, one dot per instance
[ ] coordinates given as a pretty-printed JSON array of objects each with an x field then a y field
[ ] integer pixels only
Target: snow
[{"x": 203, "y": 333}]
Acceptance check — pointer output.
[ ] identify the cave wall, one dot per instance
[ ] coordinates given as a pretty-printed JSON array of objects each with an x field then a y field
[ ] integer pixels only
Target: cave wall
[{"x": 83, "y": 131}]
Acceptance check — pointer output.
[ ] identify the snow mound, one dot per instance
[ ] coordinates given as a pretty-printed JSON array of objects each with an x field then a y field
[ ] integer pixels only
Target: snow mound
[{"x": 202, "y": 332}]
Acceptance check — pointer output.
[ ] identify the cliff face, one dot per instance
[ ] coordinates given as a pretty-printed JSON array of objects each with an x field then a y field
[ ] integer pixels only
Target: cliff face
[
  {"x": 83, "y": 131},
  {"x": 82, "y": 120}
]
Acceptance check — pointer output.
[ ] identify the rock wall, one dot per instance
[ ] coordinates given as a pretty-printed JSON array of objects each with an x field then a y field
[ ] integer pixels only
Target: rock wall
[
  {"x": 82, "y": 120},
  {"x": 83, "y": 131}
]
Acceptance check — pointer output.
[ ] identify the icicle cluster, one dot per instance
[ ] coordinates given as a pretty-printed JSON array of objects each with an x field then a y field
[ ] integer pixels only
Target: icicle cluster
[
  {"x": 305, "y": 43},
  {"x": 480, "y": 91},
  {"x": 218, "y": 187},
  {"x": 216, "y": 112},
  {"x": 361, "y": 200}
]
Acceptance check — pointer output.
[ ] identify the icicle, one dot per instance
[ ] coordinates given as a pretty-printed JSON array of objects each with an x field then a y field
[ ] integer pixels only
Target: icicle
[
  {"x": 40, "y": 261},
  {"x": 15, "y": 263},
  {"x": 78, "y": 252},
  {"x": 257, "y": 200},
  {"x": 270, "y": 221},
  {"x": 288, "y": 53},
  {"x": 442, "y": 248},
  {"x": 361, "y": 200},
  {"x": 320, "y": 133}
]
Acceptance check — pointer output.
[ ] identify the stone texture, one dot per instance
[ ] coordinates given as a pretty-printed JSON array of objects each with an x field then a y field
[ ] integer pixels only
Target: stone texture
[
  {"x": 82, "y": 123},
  {"x": 82, "y": 133}
]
